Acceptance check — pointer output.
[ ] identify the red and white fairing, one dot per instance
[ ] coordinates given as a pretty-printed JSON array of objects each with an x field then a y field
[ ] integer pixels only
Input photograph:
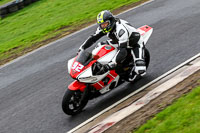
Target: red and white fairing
[
  {"x": 145, "y": 31},
  {"x": 106, "y": 53},
  {"x": 103, "y": 54}
]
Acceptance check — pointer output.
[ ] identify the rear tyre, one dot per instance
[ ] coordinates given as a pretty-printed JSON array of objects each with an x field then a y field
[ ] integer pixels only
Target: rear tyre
[
  {"x": 73, "y": 102},
  {"x": 147, "y": 57}
]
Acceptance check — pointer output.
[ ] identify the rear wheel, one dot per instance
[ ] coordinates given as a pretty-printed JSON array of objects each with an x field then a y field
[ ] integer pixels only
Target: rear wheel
[
  {"x": 147, "y": 57},
  {"x": 73, "y": 102}
]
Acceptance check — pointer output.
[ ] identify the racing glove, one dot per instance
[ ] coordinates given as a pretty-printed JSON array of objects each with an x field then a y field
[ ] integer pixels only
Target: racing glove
[
  {"x": 79, "y": 50},
  {"x": 108, "y": 66}
]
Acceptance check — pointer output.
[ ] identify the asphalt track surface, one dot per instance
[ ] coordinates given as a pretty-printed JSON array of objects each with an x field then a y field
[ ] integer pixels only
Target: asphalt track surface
[{"x": 31, "y": 89}]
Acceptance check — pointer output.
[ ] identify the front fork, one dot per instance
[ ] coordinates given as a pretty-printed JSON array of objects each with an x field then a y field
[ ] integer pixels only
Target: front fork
[
  {"x": 84, "y": 88},
  {"x": 77, "y": 86}
]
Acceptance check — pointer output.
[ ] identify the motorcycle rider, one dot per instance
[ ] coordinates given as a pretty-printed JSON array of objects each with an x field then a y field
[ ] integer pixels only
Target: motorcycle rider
[{"x": 123, "y": 34}]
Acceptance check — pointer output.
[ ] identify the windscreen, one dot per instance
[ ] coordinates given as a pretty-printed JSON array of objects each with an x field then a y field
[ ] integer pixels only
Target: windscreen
[{"x": 84, "y": 57}]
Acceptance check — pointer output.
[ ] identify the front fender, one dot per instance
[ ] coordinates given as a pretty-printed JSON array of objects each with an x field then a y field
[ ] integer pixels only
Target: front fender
[{"x": 77, "y": 86}]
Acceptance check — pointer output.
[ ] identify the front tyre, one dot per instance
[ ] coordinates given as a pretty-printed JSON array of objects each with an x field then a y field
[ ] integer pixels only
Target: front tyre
[{"x": 73, "y": 102}]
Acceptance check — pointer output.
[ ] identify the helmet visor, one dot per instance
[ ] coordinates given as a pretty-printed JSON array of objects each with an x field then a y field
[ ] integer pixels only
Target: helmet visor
[{"x": 104, "y": 25}]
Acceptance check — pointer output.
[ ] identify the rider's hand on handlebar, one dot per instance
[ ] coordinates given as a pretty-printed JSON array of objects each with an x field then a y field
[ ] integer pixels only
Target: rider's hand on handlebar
[
  {"x": 104, "y": 69},
  {"x": 79, "y": 50},
  {"x": 107, "y": 67}
]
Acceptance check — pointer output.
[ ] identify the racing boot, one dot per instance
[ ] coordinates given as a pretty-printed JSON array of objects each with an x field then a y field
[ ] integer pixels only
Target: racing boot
[{"x": 138, "y": 71}]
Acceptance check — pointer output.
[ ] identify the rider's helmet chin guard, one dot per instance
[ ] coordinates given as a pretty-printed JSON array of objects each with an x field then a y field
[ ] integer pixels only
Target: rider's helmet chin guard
[{"x": 106, "y": 21}]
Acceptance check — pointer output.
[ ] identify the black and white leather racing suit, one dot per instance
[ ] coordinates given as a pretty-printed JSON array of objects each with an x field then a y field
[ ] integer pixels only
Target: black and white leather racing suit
[{"x": 126, "y": 36}]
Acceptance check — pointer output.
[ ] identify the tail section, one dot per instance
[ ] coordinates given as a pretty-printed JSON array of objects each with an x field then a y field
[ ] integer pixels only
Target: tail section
[{"x": 146, "y": 32}]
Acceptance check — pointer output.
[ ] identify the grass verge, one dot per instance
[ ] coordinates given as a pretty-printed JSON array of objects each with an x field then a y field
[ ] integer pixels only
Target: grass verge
[
  {"x": 48, "y": 20},
  {"x": 2, "y": 2},
  {"x": 181, "y": 117}
]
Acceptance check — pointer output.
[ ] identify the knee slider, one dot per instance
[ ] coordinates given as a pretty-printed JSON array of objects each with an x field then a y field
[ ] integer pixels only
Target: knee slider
[{"x": 140, "y": 67}]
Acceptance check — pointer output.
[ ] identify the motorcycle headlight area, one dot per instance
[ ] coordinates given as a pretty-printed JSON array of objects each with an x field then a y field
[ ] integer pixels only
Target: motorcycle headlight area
[{"x": 87, "y": 79}]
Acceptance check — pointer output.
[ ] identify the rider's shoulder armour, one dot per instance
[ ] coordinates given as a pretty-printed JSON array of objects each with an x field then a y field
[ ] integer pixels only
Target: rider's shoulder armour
[{"x": 121, "y": 32}]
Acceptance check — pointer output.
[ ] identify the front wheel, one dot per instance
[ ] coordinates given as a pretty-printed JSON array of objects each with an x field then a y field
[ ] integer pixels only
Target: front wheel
[{"x": 73, "y": 102}]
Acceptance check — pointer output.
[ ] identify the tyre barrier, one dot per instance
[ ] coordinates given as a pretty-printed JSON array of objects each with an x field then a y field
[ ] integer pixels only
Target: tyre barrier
[{"x": 14, "y": 6}]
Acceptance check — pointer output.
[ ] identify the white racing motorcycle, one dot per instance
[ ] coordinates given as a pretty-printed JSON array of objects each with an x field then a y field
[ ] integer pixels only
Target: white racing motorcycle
[{"x": 90, "y": 79}]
